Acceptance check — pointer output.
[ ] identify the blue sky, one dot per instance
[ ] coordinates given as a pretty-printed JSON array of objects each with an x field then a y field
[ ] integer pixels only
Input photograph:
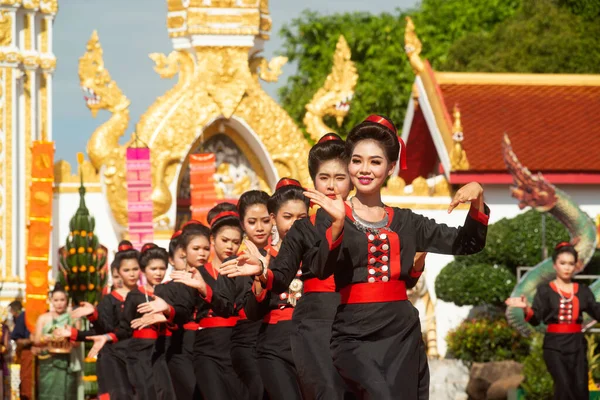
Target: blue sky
[{"x": 129, "y": 30}]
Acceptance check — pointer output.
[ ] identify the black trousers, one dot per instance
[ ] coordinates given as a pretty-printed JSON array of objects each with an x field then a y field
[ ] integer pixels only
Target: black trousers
[
  {"x": 569, "y": 372},
  {"x": 180, "y": 361},
  {"x": 111, "y": 368}
]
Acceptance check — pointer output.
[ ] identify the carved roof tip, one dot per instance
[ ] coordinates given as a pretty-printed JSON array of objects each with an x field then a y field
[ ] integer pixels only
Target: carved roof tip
[{"x": 412, "y": 47}]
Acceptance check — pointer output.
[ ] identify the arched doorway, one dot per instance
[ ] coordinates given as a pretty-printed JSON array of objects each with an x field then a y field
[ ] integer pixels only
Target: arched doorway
[{"x": 240, "y": 164}]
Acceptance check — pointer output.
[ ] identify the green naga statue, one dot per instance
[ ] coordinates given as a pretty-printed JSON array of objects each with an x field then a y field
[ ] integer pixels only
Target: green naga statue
[
  {"x": 536, "y": 192},
  {"x": 83, "y": 270}
]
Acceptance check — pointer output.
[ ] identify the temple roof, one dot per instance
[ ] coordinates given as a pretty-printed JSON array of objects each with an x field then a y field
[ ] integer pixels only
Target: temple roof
[{"x": 552, "y": 120}]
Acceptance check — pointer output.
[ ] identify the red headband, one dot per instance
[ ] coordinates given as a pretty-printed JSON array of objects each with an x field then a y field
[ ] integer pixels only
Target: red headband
[
  {"x": 191, "y": 222},
  {"x": 222, "y": 215},
  {"x": 148, "y": 246},
  {"x": 562, "y": 244},
  {"x": 287, "y": 182},
  {"x": 176, "y": 235},
  {"x": 329, "y": 137},
  {"x": 384, "y": 122},
  {"x": 125, "y": 247}
]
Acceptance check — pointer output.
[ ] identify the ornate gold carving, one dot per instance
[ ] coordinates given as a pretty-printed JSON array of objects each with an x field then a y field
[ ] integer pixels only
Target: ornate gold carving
[
  {"x": 49, "y": 6},
  {"x": 10, "y": 56},
  {"x": 44, "y": 34},
  {"x": 176, "y": 5},
  {"x": 458, "y": 156},
  {"x": 334, "y": 97},
  {"x": 442, "y": 188},
  {"x": 63, "y": 174},
  {"x": 6, "y": 23},
  {"x": 175, "y": 22},
  {"x": 269, "y": 70},
  {"x": 27, "y": 27},
  {"x": 47, "y": 63},
  {"x": 412, "y": 46},
  {"x": 395, "y": 187},
  {"x": 420, "y": 187},
  {"x": 104, "y": 94},
  {"x": 31, "y": 4}
]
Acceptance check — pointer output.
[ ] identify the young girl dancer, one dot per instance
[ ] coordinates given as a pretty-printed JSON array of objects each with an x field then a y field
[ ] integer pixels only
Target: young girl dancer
[
  {"x": 376, "y": 336},
  {"x": 560, "y": 304},
  {"x": 111, "y": 365},
  {"x": 140, "y": 343},
  {"x": 275, "y": 360},
  {"x": 215, "y": 376}
]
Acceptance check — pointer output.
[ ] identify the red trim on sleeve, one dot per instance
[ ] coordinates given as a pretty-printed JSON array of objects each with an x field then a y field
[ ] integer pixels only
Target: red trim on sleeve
[
  {"x": 113, "y": 337},
  {"x": 478, "y": 215},
  {"x": 338, "y": 241},
  {"x": 117, "y": 296},
  {"x": 93, "y": 317},
  {"x": 171, "y": 315},
  {"x": 104, "y": 396},
  {"x": 415, "y": 274},
  {"x": 313, "y": 219},
  {"x": 528, "y": 313},
  {"x": 73, "y": 336},
  {"x": 270, "y": 279},
  {"x": 209, "y": 294},
  {"x": 259, "y": 297}
]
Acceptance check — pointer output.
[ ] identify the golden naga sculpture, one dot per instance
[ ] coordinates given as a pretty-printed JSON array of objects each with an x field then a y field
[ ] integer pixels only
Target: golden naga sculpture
[
  {"x": 421, "y": 292},
  {"x": 458, "y": 156},
  {"x": 334, "y": 97},
  {"x": 215, "y": 83},
  {"x": 412, "y": 47}
]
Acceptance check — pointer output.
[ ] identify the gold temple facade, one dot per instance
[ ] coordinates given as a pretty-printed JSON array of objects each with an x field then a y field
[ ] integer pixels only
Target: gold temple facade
[{"x": 26, "y": 66}]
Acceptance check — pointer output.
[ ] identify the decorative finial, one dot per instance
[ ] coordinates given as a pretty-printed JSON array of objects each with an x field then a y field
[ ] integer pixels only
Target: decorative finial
[
  {"x": 458, "y": 156},
  {"x": 80, "y": 159},
  {"x": 412, "y": 46}
]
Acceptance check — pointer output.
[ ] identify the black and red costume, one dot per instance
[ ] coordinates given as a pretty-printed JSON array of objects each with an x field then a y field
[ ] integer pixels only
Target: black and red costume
[
  {"x": 273, "y": 349},
  {"x": 565, "y": 348},
  {"x": 215, "y": 376},
  {"x": 376, "y": 342}
]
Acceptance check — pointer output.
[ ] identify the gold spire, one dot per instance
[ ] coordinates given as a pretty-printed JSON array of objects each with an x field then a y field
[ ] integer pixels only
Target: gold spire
[
  {"x": 458, "y": 156},
  {"x": 412, "y": 46}
]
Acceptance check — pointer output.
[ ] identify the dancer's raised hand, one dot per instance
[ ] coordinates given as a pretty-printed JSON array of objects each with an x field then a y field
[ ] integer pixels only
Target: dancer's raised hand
[
  {"x": 517, "y": 302},
  {"x": 471, "y": 192},
  {"x": 155, "y": 306}
]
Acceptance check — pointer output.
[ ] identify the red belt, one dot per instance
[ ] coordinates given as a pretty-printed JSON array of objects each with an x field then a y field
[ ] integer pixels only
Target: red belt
[
  {"x": 316, "y": 285},
  {"x": 242, "y": 314},
  {"x": 377, "y": 292},
  {"x": 145, "y": 334},
  {"x": 564, "y": 328},
  {"x": 217, "y": 322},
  {"x": 274, "y": 316},
  {"x": 191, "y": 326}
]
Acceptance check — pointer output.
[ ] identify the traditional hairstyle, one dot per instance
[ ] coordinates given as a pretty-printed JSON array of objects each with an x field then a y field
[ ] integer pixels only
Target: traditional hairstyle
[
  {"x": 174, "y": 243},
  {"x": 126, "y": 252},
  {"x": 16, "y": 306},
  {"x": 564, "y": 247},
  {"x": 329, "y": 147},
  {"x": 192, "y": 230},
  {"x": 223, "y": 215},
  {"x": 382, "y": 130},
  {"x": 151, "y": 251},
  {"x": 58, "y": 288},
  {"x": 287, "y": 189},
  {"x": 250, "y": 198}
]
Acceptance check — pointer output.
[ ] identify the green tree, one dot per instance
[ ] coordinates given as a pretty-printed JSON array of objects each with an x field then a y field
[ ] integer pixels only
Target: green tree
[
  {"x": 545, "y": 36},
  {"x": 377, "y": 45}
]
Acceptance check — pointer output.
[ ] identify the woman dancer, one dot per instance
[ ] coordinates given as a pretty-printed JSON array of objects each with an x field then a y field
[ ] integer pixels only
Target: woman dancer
[
  {"x": 277, "y": 369},
  {"x": 215, "y": 376},
  {"x": 111, "y": 365},
  {"x": 559, "y": 304},
  {"x": 376, "y": 336},
  {"x": 140, "y": 343},
  {"x": 59, "y": 364}
]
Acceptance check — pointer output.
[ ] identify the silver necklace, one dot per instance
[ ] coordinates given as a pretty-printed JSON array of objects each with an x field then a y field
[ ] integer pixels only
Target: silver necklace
[
  {"x": 368, "y": 226},
  {"x": 565, "y": 299}
]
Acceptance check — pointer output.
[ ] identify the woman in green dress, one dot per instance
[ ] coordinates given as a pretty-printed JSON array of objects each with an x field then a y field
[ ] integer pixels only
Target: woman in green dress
[{"x": 59, "y": 362}]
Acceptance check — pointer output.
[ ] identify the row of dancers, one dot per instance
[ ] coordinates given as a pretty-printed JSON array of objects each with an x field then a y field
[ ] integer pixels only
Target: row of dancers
[{"x": 321, "y": 312}]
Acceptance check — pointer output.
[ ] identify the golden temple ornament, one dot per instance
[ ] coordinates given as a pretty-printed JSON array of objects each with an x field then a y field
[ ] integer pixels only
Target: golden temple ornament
[
  {"x": 458, "y": 156},
  {"x": 412, "y": 46},
  {"x": 216, "y": 59}
]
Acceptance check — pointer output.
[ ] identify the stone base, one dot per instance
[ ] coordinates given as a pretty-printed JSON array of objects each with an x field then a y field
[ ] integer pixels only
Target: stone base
[{"x": 448, "y": 380}]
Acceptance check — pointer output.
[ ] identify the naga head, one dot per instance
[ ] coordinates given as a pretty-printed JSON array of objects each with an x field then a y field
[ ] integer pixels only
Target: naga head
[
  {"x": 100, "y": 91},
  {"x": 334, "y": 97},
  {"x": 531, "y": 190}
]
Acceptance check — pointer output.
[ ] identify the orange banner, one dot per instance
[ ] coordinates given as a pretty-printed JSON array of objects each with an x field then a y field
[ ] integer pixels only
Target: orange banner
[
  {"x": 38, "y": 244},
  {"x": 202, "y": 185}
]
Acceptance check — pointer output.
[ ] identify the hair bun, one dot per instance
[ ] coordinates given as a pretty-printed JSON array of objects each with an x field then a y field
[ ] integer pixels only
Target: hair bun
[
  {"x": 125, "y": 245},
  {"x": 148, "y": 246},
  {"x": 191, "y": 222},
  {"x": 562, "y": 244},
  {"x": 283, "y": 182},
  {"x": 223, "y": 215},
  {"x": 329, "y": 137},
  {"x": 176, "y": 234},
  {"x": 384, "y": 122}
]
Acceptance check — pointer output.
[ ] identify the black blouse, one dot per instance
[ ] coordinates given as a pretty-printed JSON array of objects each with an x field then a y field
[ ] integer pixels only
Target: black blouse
[{"x": 105, "y": 318}]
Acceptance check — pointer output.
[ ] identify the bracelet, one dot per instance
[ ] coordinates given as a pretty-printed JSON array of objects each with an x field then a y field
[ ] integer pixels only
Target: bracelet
[
  {"x": 108, "y": 338},
  {"x": 262, "y": 268}
]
